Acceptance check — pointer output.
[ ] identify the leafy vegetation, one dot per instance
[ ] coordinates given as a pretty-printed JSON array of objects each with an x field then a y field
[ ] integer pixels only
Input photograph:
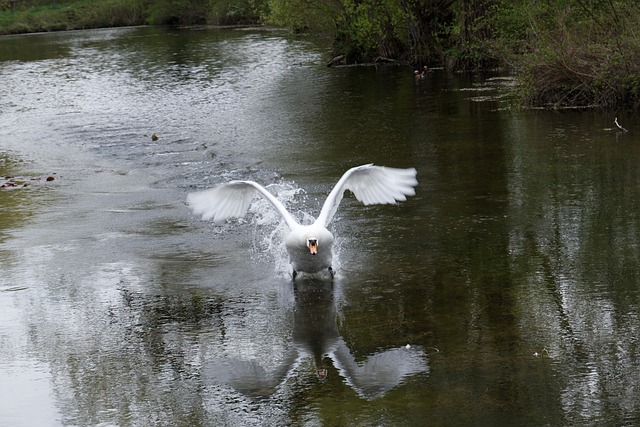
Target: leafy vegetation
[
  {"x": 581, "y": 53},
  {"x": 566, "y": 52}
]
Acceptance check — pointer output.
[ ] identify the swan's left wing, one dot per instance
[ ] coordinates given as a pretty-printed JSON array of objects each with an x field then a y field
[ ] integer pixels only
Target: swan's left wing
[
  {"x": 381, "y": 372},
  {"x": 250, "y": 377},
  {"x": 371, "y": 185}
]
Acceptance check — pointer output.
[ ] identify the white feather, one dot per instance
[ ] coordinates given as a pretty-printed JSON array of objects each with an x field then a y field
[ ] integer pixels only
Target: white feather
[{"x": 371, "y": 185}]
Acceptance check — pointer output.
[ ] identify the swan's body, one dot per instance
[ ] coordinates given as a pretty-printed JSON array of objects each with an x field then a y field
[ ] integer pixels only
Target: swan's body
[{"x": 309, "y": 246}]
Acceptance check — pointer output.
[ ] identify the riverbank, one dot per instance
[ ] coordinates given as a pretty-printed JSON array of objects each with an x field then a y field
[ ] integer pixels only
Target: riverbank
[
  {"x": 22, "y": 17},
  {"x": 70, "y": 16}
]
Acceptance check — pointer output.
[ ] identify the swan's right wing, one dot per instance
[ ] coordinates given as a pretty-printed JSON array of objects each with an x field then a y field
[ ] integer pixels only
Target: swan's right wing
[
  {"x": 371, "y": 185},
  {"x": 232, "y": 200}
]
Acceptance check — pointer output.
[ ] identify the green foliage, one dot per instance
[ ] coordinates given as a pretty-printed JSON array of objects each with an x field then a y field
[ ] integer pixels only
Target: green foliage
[
  {"x": 376, "y": 27},
  {"x": 177, "y": 12},
  {"x": 231, "y": 12},
  {"x": 64, "y": 15},
  {"x": 301, "y": 15},
  {"x": 52, "y": 15},
  {"x": 107, "y": 13},
  {"x": 583, "y": 54}
]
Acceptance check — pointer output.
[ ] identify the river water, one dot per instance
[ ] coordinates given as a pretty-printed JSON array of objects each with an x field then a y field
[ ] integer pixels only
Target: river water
[{"x": 506, "y": 292}]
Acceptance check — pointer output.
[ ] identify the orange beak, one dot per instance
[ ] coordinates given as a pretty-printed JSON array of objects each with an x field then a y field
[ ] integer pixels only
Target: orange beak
[{"x": 313, "y": 247}]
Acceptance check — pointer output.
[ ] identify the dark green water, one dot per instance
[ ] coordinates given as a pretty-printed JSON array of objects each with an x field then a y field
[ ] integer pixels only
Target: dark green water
[{"x": 506, "y": 292}]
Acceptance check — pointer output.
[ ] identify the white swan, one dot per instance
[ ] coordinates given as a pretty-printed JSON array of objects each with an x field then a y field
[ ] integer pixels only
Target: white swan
[{"x": 309, "y": 246}]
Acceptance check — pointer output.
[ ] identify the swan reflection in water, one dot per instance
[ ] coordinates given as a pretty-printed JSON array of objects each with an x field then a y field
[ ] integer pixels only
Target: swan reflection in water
[{"x": 315, "y": 335}]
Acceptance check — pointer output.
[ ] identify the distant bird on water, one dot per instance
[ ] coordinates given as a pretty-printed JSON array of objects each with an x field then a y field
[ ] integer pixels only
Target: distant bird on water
[
  {"x": 420, "y": 75},
  {"x": 309, "y": 246}
]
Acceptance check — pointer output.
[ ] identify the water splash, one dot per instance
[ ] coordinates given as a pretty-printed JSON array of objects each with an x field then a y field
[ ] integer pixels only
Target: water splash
[{"x": 270, "y": 231}]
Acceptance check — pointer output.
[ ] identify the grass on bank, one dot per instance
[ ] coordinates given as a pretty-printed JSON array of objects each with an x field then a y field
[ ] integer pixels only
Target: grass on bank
[
  {"x": 71, "y": 16},
  {"x": 31, "y": 16}
]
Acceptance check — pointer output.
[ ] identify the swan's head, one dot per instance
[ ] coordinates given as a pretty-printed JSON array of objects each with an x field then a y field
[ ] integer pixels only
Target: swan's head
[
  {"x": 322, "y": 373},
  {"x": 312, "y": 244}
]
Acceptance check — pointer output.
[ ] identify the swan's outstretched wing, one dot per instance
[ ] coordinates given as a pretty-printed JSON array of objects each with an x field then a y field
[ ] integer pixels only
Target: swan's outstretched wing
[
  {"x": 380, "y": 372},
  {"x": 232, "y": 200},
  {"x": 371, "y": 185},
  {"x": 251, "y": 377}
]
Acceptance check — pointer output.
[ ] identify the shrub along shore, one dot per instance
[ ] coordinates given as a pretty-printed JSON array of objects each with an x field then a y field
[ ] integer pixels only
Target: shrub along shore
[{"x": 565, "y": 53}]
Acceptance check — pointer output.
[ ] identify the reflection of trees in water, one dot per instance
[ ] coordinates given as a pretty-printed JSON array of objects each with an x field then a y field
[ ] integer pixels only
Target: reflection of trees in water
[
  {"x": 15, "y": 204},
  {"x": 127, "y": 350},
  {"x": 138, "y": 362},
  {"x": 574, "y": 249},
  {"x": 531, "y": 256}
]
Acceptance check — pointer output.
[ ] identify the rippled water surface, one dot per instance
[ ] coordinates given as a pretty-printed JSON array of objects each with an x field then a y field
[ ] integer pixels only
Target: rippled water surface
[{"x": 506, "y": 292}]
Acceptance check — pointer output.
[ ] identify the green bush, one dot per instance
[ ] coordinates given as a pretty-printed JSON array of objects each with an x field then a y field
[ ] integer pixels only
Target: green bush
[{"x": 583, "y": 57}]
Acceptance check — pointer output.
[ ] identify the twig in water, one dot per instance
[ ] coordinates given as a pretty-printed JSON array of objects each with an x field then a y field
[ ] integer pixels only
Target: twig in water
[{"x": 618, "y": 124}]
